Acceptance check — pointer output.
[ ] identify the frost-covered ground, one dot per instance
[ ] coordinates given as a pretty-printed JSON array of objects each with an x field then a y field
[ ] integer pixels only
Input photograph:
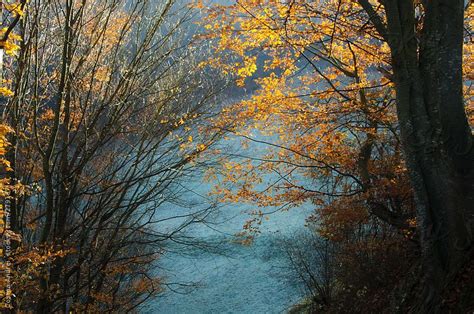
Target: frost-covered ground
[
  {"x": 227, "y": 277},
  {"x": 233, "y": 278}
]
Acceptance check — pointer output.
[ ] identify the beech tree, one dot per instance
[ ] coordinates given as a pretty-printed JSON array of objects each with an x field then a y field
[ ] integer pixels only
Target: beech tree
[
  {"x": 340, "y": 82},
  {"x": 426, "y": 43}
]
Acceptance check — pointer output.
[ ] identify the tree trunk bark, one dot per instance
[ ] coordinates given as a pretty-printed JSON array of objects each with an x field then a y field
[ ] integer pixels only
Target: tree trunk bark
[{"x": 435, "y": 133}]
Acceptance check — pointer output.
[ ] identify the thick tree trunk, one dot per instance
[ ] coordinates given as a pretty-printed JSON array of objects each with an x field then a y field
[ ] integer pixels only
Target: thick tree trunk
[{"x": 437, "y": 139}]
